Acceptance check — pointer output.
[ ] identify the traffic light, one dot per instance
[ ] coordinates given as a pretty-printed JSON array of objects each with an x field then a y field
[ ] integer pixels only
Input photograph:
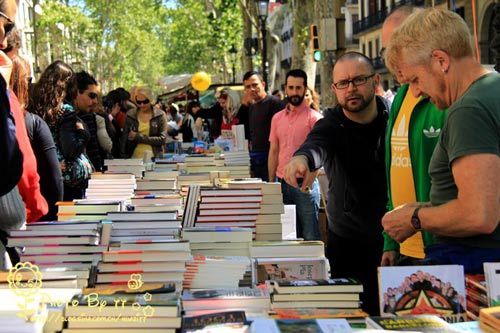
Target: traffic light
[{"x": 316, "y": 53}]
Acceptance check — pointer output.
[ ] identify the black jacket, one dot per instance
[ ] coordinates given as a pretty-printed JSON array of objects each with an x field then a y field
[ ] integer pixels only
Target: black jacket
[
  {"x": 353, "y": 157},
  {"x": 51, "y": 181},
  {"x": 71, "y": 142}
]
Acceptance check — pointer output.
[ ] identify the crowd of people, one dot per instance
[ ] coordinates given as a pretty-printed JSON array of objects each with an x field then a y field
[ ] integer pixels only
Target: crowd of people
[{"x": 412, "y": 180}]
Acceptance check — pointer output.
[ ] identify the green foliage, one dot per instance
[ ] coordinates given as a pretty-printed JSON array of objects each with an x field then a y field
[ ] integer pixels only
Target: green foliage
[{"x": 124, "y": 43}]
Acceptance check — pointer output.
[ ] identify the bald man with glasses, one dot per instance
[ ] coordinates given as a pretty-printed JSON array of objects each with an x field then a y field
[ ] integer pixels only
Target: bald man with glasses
[{"x": 349, "y": 143}]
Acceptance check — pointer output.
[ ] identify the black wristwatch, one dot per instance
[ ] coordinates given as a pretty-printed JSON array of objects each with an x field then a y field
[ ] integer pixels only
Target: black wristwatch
[{"x": 415, "y": 220}]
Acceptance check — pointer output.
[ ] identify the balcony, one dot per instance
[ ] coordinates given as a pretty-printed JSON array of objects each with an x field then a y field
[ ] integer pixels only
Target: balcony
[
  {"x": 378, "y": 17},
  {"x": 351, "y": 2}
]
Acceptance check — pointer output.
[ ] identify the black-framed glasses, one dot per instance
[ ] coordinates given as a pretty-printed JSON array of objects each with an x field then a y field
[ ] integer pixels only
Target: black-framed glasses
[
  {"x": 357, "y": 81},
  {"x": 139, "y": 102},
  {"x": 92, "y": 95},
  {"x": 10, "y": 25}
]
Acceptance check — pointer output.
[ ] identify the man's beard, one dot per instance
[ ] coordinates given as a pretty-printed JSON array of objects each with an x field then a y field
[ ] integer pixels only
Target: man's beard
[
  {"x": 296, "y": 100},
  {"x": 362, "y": 103}
]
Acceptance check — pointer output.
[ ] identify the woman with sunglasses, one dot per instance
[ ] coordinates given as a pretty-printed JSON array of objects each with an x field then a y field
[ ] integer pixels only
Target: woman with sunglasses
[{"x": 145, "y": 128}]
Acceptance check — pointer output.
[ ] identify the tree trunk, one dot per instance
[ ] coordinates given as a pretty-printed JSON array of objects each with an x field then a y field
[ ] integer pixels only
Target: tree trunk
[
  {"x": 246, "y": 7},
  {"x": 275, "y": 27},
  {"x": 325, "y": 9},
  {"x": 303, "y": 17}
]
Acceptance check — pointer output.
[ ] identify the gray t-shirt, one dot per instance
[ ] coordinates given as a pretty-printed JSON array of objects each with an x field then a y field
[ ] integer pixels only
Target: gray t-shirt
[{"x": 472, "y": 127}]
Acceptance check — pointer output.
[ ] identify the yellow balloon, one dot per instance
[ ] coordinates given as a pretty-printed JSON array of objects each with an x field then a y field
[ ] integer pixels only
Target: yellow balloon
[{"x": 201, "y": 81}]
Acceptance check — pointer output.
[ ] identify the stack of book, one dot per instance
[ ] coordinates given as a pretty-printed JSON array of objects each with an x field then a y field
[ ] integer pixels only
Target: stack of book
[
  {"x": 219, "y": 241},
  {"x": 123, "y": 312},
  {"x": 476, "y": 295},
  {"x": 157, "y": 174},
  {"x": 86, "y": 210},
  {"x": 209, "y": 163},
  {"x": 287, "y": 249},
  {"x": 204, "y": 272},
  {"x": 165, "y": 270},
  {"x": 144, "y": 226},
  {"x": 156, "y": 186},
  {"x": 237, "y": 158},
  {"x": 191, "y": 206},
  {"x": 216, "y": 250},
  {"x": 110, "y": 186},
  {"x": 269, "y": 220},
  {"x": 229, "y": 207},
  {"x": 489, "y": 320},
  {"x": 73, "y": 244},
  {"x": 335, "y": 294},
  {"x": 255, "y": 302},
  {"x": 156, "y": 203},
  {"x": 154, "y": 262},
  {"x": 198, "y": 178},
  {"x": 134, "y": 166},
  {"x": 50, "y": 277}
]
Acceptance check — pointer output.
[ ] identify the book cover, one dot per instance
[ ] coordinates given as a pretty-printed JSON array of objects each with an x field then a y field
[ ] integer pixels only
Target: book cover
[
  {"x": 414, "y": 290},
  {"x": 346, "y": 285},
  {"x": 261, "y": 325},
  {"x": 288, "y": 269},
  {"x": 422, "y": 323},
  {"x": 492, "y": 277},
  {"x": 199, "y": 322}
]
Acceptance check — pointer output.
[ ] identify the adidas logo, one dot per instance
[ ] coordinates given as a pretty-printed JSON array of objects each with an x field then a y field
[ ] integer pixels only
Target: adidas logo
[
  {"x": 399, "y": 138},
  {"x": 431, "y": 132}
]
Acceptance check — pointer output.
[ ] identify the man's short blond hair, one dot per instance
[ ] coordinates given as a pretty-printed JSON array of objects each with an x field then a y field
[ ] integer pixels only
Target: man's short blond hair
[{"x": 425, "y": 31}]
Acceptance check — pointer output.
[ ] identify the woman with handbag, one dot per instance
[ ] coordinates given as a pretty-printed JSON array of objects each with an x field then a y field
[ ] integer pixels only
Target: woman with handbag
[
  {"x": 50, "y": 99},
  {"x": 145, "y": 127}
]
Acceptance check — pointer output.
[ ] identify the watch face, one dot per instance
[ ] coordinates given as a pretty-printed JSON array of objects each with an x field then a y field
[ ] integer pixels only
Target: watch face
[{"x": 415, "y": 221}]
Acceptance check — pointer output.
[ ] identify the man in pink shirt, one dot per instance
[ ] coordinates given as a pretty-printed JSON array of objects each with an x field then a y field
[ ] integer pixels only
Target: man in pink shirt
[{"x": 289, "y": 129}]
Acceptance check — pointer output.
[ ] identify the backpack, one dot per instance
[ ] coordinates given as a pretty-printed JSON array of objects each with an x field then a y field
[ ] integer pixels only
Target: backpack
[{"x": 187, "y": 130}]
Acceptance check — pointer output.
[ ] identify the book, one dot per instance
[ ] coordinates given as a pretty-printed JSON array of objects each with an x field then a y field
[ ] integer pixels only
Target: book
[
  {"x": 124, "y": 161},
  {"x": 217, "y": 234},
  {"x": 492, "y": 277},
  {"x": 138, "y": 267},
  {"x": 422, "y": 323},
  {"x": 123, "y": 277},
  {"x": 163, "y": 245},
  {"x": 340, "y": 285},
  {"x": 261, "y": 325},
  {"x": 199, "y": 322},
  {"x": 225, "y": 298},
  {"x": 152, "y": 288},
  {"x": 126, "y": 322},
  {"x": 288, "y": 269},
  {"x": 164, "y": 305},
  {"x": 411, "y": 290},
  {"x": 489, "y": 319},
  {"x": 314, "y": 313},
  {"x": 76, "y": 240},
  {"x": 139, "y": 216},
  {"x": 61, "y": 249},
  {"x": 287, "y": 249},
  {"x": 145, "y": 256}
]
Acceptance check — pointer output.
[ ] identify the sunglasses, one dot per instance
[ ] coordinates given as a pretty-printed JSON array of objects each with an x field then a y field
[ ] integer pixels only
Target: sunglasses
[
  {"x": 92, "y": 95},
  {"x": 9, "y": 26},
  {"x": 139, "y": 102}
]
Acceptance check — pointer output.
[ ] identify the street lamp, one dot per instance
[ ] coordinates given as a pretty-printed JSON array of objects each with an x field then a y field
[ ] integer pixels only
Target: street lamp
[
  {"x": 233, "y": 51},
  {"x": 263, "y": 11}
]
